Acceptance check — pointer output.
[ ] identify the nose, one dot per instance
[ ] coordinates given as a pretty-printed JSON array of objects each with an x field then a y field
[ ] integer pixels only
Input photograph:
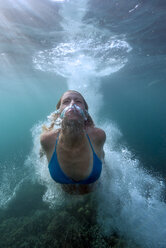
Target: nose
[{"x": 72, "y": 102}]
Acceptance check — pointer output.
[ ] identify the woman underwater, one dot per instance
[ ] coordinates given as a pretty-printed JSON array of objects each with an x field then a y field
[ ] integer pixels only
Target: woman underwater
[{"x": 75, "y": 150}]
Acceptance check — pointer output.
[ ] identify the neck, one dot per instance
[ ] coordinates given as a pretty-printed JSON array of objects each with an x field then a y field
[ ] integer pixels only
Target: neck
[{"x": 72, "y": 134}]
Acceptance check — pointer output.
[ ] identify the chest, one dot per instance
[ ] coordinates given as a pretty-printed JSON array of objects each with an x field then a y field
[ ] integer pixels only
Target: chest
[{"x": 77, "y": 163}]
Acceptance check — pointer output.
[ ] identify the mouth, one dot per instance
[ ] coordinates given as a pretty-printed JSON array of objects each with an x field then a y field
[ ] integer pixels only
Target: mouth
[{"x": 73, "y": 111}]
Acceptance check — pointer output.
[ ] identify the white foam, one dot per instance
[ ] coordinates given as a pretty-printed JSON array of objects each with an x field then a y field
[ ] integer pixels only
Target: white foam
[{"x": 130, "y": 201}]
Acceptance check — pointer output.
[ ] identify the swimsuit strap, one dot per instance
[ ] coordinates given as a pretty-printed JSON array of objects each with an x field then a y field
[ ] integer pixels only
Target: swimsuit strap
[
  {"x": 90, "y": 142},
  {"x": 57, "y": 140}
]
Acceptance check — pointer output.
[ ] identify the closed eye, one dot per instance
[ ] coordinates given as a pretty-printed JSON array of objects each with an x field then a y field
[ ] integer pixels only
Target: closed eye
[{"x": 66, "y": 101}]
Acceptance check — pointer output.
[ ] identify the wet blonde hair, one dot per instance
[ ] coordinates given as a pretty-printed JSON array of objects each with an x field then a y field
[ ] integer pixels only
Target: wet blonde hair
[{"x": 89, "y": 122}]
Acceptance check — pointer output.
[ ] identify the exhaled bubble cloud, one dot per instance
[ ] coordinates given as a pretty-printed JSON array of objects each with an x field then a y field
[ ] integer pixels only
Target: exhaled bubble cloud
[{"x": 97, "y": 55}]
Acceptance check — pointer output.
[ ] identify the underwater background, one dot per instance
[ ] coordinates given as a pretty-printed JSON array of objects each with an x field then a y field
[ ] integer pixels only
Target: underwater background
[{"x": 114, "y": 53}]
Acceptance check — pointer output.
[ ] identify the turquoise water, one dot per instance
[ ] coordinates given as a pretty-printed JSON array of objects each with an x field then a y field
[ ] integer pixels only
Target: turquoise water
[{"x": 114, "y": 54}]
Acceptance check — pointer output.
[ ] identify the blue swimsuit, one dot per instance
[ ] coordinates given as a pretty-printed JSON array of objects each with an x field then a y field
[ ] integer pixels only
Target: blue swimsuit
[{"x": 59, "y": 176}]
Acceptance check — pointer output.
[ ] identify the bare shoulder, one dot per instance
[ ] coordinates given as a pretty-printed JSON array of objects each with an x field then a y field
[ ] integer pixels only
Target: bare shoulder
[
  {"x": 98, "y": 135},
  {"x": 48, "y": 139}
]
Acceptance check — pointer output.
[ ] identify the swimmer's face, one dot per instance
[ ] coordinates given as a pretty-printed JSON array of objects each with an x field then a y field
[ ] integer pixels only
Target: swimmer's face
[{"x": 69, "y": 99}]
